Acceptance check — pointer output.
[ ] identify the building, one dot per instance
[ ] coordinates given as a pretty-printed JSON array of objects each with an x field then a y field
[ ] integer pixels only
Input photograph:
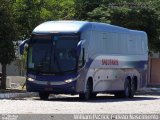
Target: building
[
  {"x": 154, "y": 69},
  {"x": 12, "y": 69}
]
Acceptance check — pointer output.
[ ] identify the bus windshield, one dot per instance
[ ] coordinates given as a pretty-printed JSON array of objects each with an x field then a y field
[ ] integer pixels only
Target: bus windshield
[{"x": 55, "y": 56}]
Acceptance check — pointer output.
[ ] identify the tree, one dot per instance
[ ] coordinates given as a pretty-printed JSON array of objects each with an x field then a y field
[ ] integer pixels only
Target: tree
[
  {"x": 100, "y": 14},
  {"x": 28, "y": 16},
  {"x": 60, "y": 9},
  {"x": 30, "y": 13},
  {"x": 82, "y": 7},
  {"x": 7, "y": 35}
]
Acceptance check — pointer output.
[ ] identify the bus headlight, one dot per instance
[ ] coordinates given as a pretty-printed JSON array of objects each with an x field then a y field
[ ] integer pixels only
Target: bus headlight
[
  {"x": 31, "y": 79},
  {"x": 69, "y": 80}
]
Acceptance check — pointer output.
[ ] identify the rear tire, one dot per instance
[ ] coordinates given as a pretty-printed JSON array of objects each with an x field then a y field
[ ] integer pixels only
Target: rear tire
[
  {"x": 133, "y": 89},
  {"x": 43, "y": 95},
  {"x": 129, "y": 90}
]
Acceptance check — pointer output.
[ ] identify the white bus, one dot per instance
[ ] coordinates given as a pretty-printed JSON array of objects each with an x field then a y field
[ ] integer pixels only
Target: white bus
[{"x": 85, "y": 58}]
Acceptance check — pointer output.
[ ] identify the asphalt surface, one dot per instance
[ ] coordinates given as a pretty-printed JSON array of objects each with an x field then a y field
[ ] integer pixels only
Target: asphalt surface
[
  {"x": 62, "y": 107},
  {"x": 16, "y": 93}
]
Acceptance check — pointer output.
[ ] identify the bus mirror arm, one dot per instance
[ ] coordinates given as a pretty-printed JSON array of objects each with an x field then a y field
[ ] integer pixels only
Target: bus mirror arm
[
  {"x": 22, "y": 45},
  {"x": 79, "y": 46},
  {"x": 78, "y": 49}
]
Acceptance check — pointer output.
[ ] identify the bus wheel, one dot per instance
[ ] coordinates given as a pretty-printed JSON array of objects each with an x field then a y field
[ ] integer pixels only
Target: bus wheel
[
  {"x": 43, "y": 95},
  {"x": 129, "y": 89},
  {"x": 133, "y": 89},
  {"x": 87, "y": 94}
]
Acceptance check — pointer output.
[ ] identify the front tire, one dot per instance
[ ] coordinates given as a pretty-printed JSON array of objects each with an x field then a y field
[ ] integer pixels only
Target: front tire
[
  {"x": 87, "y": 94},
  {"x": 43, "y": 95}
]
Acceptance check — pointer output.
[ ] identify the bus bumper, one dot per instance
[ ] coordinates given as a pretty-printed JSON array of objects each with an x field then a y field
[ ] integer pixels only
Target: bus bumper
[{"x": 68, "y": 88}]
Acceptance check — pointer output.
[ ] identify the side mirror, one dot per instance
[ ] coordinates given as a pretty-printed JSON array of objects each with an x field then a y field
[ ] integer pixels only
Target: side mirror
[{"x": 22, "y": 46}]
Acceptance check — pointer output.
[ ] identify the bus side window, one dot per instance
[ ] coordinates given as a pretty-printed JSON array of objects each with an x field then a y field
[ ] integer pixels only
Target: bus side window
[{"x": 81, "y": 59}]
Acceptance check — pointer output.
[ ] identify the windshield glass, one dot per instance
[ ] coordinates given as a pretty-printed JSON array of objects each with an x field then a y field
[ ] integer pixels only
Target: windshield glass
[
  {"x": 65, "y": 53},
  {"x": 39, "y": 55},
  {"x": 53, "y": 56}
]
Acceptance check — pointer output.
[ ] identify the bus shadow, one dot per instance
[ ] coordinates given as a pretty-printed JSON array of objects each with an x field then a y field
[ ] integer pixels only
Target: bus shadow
[{"x": 104, "y": 98}]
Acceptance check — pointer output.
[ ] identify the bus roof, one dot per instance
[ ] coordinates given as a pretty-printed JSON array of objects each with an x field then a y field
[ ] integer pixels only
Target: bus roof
[{"x": 80, "y": 26}]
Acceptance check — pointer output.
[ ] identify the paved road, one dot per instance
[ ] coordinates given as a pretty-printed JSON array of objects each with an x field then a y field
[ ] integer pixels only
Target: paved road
[{"x": 103, "y": 104}]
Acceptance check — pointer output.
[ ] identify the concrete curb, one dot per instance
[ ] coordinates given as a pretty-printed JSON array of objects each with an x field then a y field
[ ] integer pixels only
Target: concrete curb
[{"x": 17, "y": 95}]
